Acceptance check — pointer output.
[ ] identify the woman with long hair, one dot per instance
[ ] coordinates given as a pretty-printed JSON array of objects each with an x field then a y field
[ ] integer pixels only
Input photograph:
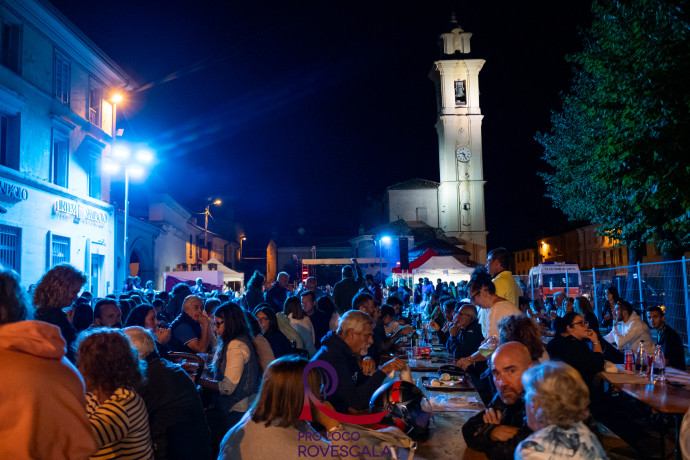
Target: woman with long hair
[
  {"x": 271, "y": 428},
  {"x": 112, "y": 370},
  {"x": 571, "y": 345},
  {"x": 582, "y": 306},
  {"x": 268, "y": 322},
  {"x": 145, "y": 316},
  {"x": 237, "y": 372},
  {"x": 300, "y": 322}
]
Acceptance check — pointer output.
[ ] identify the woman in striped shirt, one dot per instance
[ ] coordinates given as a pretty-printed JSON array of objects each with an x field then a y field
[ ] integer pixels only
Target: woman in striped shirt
[{"x": 118, "y": 416}]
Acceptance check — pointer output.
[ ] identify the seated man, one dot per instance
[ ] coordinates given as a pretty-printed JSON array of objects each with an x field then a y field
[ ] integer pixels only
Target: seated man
[
  {"x": 397, "y": 304},
  {"x": 465, "y": 336},
  {"x": 383, "y": 343},
  {"x": 190, "y": 331},
  {"x": 357, "y": 379},
  {"x": 176, "y": 414},
  {"x": 670, "y": 341},
  {"x": 629, "y": 329},
  {"x": 498, "y": 430},
  {"x": 443, "y": 324},
  {"x": 319, "y": 319},
  {"x": 107, "y": 313}
]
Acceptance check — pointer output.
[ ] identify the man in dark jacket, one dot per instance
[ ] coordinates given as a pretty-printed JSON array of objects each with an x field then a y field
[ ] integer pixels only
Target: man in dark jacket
[
  {"x": 499, "y": 429},
  {"x": 670, "y": 341},
  {"x": 277, "y": 294},
  {"x": 345, "y": 289},
  {"x": 357, "y": 379},
  {"x": 466, "y": 334},
  {"x": 176, "y": 414}
]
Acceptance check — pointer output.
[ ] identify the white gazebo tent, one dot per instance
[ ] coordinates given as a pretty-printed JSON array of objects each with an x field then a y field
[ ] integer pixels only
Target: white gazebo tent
[{"x": 447, "y": 268}]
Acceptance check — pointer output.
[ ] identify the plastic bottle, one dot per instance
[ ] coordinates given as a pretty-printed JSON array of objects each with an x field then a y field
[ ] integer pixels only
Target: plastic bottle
[
  {"x": 642, "y": 360},
  {"x": 658, "y": 373}
]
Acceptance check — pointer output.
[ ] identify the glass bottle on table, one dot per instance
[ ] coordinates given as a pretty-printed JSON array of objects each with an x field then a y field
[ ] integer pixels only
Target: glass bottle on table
[
  {"x": 642, "y": 360},
  {"x": 658, "y": 373}
]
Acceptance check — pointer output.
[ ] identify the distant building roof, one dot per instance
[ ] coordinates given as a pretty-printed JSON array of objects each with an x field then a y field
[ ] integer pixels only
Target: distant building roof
[
  {"x": 440, "y": 247},
  {"x": 414, "y": 184}
]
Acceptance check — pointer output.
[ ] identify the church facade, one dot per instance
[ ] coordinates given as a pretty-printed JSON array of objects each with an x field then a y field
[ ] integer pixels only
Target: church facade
[{"x": 455, "y": 205}]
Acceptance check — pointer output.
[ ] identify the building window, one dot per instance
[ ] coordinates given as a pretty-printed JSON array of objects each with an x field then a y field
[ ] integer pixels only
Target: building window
[
  {"x": 10, "y": 247},
  {"x": 9, "y": 140},
  {"x": 59, "y": 164},
  {"x": 10, "y": 45},
  {"x": 95, "y": 103},
  {"x": 62, "y": 78},
  {"x": 60, "y": 250}
]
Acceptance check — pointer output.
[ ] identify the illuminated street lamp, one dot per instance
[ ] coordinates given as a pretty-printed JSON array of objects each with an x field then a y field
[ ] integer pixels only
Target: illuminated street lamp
[
  {"x": 387, "y": 240},
  {"x": 134, "y": 167},
  {"x": 242, "y": 240},
  {"x": 207, "y": 213}
]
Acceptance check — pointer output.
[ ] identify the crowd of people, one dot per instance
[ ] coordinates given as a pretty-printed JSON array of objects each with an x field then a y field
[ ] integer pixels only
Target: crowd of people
[{"x": 93, "y": 378}]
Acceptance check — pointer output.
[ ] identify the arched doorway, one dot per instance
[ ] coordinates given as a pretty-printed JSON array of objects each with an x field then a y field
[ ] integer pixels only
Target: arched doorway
[{"x": 141, "y": 261}]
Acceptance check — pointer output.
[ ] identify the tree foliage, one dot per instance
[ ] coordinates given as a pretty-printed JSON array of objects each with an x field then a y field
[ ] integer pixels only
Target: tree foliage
[{"x": 619, "y": 149}]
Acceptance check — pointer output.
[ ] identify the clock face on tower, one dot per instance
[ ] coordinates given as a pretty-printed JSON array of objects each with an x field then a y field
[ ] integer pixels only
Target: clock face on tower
[{"x": 463, "y": 154}]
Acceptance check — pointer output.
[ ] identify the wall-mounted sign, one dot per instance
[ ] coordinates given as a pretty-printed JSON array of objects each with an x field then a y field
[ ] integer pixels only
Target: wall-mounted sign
[
  {"x": 13, "y": 192},
  {"x": 80, "y": 211}
]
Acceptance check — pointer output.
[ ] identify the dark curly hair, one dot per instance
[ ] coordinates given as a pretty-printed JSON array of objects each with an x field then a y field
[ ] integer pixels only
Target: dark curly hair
[
  {"x": 481, "y": 279},
  {"x": 523, "y": 329},
  {"x": 14, "y": 301},
  {"x": 57, "y": 287},
  {"x": 108, "y": 361}
]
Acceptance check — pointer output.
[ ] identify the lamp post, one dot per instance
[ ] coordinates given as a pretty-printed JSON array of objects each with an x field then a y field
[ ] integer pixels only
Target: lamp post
[
  {"x": 242, "y": 239},
  {"x": 207, "y": 213},
  {"x": 387, "y": 240}
]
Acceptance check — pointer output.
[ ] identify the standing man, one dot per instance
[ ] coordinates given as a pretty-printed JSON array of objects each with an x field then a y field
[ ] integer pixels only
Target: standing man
[
  {"x": 497, "y": 263},
  {"x": 318, "y": 318},
  {"x": 199, "y": 287},
  {"x": 670, "y": 341},
  {"x": 347, "y": 287},
  {"x": 499, "y": 429},
  {"x": 277, "y": 294}
]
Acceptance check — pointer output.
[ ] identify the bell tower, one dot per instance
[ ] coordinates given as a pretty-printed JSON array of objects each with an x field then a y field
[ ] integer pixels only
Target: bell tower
[{"x": 459, "y": 128}]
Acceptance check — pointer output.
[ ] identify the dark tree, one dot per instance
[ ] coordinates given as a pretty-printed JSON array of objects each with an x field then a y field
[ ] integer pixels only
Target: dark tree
[{"x": 619, "y": 150}]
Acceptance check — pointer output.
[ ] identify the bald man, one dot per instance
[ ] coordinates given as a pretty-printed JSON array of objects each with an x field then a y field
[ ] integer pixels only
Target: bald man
[{"x": 498, "y": 430}]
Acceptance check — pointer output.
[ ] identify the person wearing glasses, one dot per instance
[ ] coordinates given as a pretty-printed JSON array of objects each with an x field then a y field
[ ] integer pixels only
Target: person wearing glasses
[
  {"x": 571, "y": 345},
  {"x": 237, "y": 371}
]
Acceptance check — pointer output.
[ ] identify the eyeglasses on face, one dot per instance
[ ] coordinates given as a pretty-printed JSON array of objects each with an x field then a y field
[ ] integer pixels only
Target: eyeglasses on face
[
  {"x": 584, "y": 323},
  {"x": 472, "y": 297},
  {"x": 261, "y": 319},
  {"x": 218, "y": 323}
]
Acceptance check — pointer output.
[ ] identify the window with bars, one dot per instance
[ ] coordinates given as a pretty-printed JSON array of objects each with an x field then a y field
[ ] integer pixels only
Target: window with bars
[
  {"x": 60, "y": 249},
  {"x": 10, "y": 247},
  {"x": 62, "y": 78}
]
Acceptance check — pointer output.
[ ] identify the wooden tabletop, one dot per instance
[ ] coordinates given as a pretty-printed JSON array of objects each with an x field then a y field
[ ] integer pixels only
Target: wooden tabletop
[
  {"x": 664, "y": 397},
  {"x": 446, "y": 441}
]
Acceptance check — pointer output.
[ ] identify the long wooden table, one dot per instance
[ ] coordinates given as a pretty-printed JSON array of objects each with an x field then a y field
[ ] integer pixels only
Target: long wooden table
[
  {"x": 670, "y": 397},
  {"x": 445, "y": 441}
]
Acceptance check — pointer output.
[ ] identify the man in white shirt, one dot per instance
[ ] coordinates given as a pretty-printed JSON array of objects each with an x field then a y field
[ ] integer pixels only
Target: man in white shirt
[
  {"x": 629, "y": 329},
  {"x": 497, "y": 263}
]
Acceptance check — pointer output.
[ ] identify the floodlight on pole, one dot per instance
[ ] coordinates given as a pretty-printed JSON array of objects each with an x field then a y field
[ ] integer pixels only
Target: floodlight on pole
[{"x": 207, "y": 213}]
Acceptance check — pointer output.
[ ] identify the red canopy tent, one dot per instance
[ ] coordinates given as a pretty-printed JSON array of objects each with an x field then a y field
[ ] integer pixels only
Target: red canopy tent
[{"x": 422, "y": 259}]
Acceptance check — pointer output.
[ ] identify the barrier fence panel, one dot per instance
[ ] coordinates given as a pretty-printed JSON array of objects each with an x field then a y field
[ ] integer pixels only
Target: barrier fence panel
[{"x": 662, "y": 284}]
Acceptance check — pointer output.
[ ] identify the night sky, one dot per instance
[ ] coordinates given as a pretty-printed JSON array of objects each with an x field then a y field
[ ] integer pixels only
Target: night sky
[{"x": 295, "y": 112}]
